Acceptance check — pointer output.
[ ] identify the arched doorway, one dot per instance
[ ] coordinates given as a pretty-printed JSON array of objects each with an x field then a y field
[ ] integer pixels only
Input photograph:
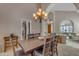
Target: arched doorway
[{"x": 50, "y": 22}]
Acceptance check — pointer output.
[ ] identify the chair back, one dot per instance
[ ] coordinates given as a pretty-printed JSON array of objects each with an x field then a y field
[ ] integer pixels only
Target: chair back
[
  {"x": 15, "y": 40},
  {"x": 47, "y": 46},
  {"x": 54, "y": 46},
  {"x": 7, "y": 38},
  {"x": 18, "y": 51},
  {"x": 6, "y": 42}
]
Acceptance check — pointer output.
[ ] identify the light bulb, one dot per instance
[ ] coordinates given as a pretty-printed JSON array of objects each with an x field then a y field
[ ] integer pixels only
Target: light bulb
[
  {"x": 38, "y": 13},
  {"x": 40, "y": 10},
  {"x": 34, "y": 15},
  {"x": 45, "y": 14}
]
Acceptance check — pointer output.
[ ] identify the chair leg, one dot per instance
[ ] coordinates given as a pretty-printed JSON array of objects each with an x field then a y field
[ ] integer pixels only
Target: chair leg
[
  {"x": 56, "y": 52},
  {"x": 33, "y": 54},
  {"x": 52, "y": 51},
  {"x": 4, "y": 47}
]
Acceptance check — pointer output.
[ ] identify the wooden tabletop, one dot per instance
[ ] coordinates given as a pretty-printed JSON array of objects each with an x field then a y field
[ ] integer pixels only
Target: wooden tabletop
[{"x": 31, "y": 44}]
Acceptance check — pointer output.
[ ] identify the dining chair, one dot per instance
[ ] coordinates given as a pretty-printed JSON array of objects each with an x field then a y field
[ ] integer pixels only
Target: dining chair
[
  {"x": 54, "y": 44},
  {"x": 6, "y": 43},
  {"x": 15, "y": 40},
  {"x": 45, "y": 50},
  {"x": 19, "y": 50}
]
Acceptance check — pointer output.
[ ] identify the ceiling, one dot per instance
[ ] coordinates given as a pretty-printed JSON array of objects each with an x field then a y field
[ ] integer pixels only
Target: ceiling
[
  {"x": 20, "y": 9},
  {"x": 24, "y": 9},
  {"x": 28, "y": 7}
]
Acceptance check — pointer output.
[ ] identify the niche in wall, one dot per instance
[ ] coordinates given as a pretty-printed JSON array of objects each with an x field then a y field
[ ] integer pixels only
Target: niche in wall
[
  {"x": 29, "y": 27},
  {"x": 24, "y": 30}
]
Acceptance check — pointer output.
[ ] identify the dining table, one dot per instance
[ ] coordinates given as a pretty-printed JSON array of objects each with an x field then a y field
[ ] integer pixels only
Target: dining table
[{"x": 30, "y": 45}]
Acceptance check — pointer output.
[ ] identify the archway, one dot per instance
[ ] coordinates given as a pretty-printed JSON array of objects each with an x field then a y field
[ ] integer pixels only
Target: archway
[{"x": 52, "y": 8}]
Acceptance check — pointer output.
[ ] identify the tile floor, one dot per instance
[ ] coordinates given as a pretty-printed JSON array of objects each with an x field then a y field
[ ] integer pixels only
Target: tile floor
[{"x": 63, "y": 50}]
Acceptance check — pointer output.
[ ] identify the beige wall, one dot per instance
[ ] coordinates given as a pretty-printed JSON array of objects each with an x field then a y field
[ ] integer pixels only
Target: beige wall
[
  {"x": 11, "y": 16},
  {"x": 8, "y": 26}
]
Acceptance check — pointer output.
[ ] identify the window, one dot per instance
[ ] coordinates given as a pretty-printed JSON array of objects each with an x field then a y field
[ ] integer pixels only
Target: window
[{"x": 66, "y": 26}]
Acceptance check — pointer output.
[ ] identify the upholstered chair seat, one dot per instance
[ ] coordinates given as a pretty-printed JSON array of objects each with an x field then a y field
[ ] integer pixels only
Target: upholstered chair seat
[{"x": 19, "y": 52}]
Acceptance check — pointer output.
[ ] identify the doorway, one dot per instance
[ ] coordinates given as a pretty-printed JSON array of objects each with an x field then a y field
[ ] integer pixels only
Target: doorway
[{"x": 49, "y": 28}]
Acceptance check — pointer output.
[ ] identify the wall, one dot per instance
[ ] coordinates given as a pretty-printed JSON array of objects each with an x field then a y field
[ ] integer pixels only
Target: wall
[
  {"x": 65, "y": 15},
  {"x": 8, "y": 26},
  {"x": 35, "y": 26},
  {"x": 11, "y": 17}
]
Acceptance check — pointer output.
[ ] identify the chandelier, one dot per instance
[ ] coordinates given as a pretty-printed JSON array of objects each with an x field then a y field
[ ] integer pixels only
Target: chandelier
[{"x": 40, "y": 15}]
